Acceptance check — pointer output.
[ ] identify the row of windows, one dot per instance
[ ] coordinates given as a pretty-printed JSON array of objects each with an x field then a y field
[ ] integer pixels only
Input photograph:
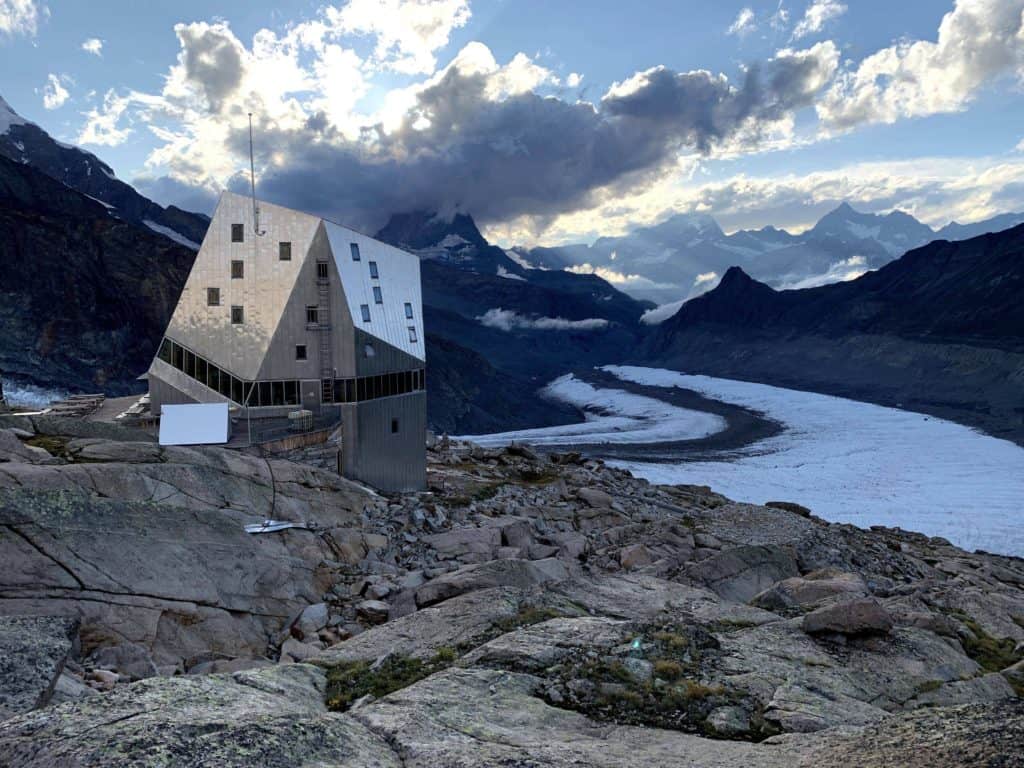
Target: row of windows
[
  {"x": 284, "y": 249},
  {"x": 373, "y": 387},
  {"x": 271, "y": 393}
]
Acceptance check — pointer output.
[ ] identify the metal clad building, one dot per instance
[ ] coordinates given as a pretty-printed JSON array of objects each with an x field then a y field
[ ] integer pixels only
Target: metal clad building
[{"x": 303, "y": 314}]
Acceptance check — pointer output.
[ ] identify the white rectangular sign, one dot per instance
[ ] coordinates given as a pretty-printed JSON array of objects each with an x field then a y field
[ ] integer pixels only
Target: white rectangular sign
[{"x": 194, "y": 424}]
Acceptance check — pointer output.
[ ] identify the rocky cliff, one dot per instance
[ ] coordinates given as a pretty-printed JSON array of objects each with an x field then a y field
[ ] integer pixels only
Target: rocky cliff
[
  {"x": 84, "y": 296},
  {"x": 529, "y": 609}
]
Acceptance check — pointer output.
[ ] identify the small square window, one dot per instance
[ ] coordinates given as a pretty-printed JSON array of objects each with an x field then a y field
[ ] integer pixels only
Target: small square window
[
  {"x": 237, "y": 233},
  {"x": 394, "y": 426},
  {"x": 412, "y": 334},
  {"x": 373, "y": 270},
  {"x": 369, "y": 351},
  {"x": 312, "y": 315},
  {"x": 237, "y": 270},
  {"x": 408, "y": 311},
  {"x": 237, "y": 315},
  {"x": 378, "y": 297},
  {"x": 300, "y": 351},
  {"x": 213, "y": 297},
  {"x": 284, "y": 251},
  {"x": 321, "y": 270},
  {"x": 365, "y": 310},
  {"x": 355, "y": 251}
]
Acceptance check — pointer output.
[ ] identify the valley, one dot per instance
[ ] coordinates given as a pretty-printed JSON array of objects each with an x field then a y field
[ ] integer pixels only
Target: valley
[{"x": 848, "y": 461}]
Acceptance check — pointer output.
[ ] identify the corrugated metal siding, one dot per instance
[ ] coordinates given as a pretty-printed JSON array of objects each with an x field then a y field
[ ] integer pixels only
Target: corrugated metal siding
[{"x": 373, "y": 455}]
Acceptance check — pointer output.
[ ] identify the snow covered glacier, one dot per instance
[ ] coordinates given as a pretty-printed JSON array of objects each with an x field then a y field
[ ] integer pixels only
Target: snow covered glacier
[{"x": 848, "y": 461}]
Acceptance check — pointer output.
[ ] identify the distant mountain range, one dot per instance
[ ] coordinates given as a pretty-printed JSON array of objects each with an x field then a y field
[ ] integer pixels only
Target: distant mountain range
[
  {"x": 687, "y": 254},
  {"x": 940, "y": 330},
  {"x": 27, "y": 143}
]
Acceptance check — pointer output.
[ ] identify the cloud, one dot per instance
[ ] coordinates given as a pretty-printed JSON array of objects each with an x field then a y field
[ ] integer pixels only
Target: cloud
[
  {"x": 661, "y": 313},
  {"x": 20, "y": 17},
  {"x": 574, "y": 80},
  {"x": 841, "y": 271},
  {"x": 102, "y": 125},
  {"x": 817, "y": 15},
  {"x": 705, "y": 277},
  {"x": 744, "y": 24},
  {"x": 54, "y": 93},
  {"x": 978, "y": 41},
  {"x": 620, "y": 280},
  {"x": 94, "y": 46},
  {"x": 408, "y": 32},
  {"x": 491, "y": 138},
  {"x": 506, "y": 320}
]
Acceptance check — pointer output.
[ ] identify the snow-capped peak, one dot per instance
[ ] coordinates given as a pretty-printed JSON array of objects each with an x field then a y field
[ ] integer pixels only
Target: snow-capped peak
[{"x": 9, "y": 117}]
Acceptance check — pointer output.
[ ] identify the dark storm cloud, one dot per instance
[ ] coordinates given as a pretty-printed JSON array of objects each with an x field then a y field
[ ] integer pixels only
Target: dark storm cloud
[
  {"x": 459, "y": 148},
  {"x": 212, "y": 59}
]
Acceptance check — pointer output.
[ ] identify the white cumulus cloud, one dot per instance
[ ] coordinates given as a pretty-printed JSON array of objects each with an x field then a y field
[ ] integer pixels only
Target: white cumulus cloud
[
  {"x": 408, "y": 32},
  {"x": 54, "y": 93},
  {"x": 817, "y": 15},
  {"x": 507, "y": 320},
  {"x": 978, "y": 41},
  {"x": 744, "y": 24},
  {"x": 94, "y": 46},
  {"x": 102, "y": 125},
  {"x": 21, "y": 17}
]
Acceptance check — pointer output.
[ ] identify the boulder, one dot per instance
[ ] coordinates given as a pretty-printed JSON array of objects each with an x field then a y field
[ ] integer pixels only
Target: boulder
[
  {"x": 789, "y": 506},
  {"x": 33, "y": 650},
  {"x": 635, "y": 556},
  {"x": 1015, "y": 676},
  {"x": 130, "y": 660},
  {"x": 293, "y": 650},
  {"x": 851, "y": 617},
  {"x": 97, "y": 449},
  {"x": 730, "y": 722},
  {"x": 814, "y": 588},
  {"x": 496, "y": 573},
  {"x": 595, "y": 498},
  {"x": 373, "y": 611},
  {"x": 463, "y": 541},
  {"x": 461, "y": 621},
  {"x": 312, "y": 619},
  {"x": 740, "y": 573}
]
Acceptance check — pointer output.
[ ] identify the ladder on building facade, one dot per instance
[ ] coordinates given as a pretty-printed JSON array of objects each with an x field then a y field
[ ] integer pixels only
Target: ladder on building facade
[{"x": 323, "y": 317}]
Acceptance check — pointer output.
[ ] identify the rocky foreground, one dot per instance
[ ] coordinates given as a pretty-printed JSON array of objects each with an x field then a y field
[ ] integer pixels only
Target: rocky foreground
[{"x": 530, "y": 610}]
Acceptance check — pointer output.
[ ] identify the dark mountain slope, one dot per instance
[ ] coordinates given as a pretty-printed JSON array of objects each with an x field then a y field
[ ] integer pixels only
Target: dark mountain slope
[
  {"x": 940, "y": 330},
  {"x": 500, "y": 331},
  {"x": 84, "y": 296},
  {"x": 27, "y": 143}
]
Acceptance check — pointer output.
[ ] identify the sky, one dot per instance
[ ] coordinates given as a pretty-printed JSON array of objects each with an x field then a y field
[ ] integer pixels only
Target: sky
[{"x": 548, "y": 122}]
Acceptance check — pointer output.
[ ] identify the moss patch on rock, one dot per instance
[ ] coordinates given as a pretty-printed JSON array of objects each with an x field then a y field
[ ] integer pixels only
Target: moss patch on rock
[{"x": 349, "y": 682}]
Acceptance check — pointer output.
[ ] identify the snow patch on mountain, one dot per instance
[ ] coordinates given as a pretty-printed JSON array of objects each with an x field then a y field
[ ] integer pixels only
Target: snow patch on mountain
[
  {"x": 168, "y": 232},
  {"x": 9, "y": 117},
  {"x": 502, "y": 272}
]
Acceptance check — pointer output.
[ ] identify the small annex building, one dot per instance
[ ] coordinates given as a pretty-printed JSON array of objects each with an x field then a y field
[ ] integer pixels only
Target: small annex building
[{"x": 304, "y": 314}]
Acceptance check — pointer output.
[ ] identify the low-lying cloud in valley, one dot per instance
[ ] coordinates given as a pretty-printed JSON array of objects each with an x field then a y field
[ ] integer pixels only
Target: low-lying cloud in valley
[{"x": 506, "y": 320}]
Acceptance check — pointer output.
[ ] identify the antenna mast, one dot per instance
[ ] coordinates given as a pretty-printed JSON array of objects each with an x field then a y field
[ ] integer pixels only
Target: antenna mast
[{"x": 252, "y": 180}]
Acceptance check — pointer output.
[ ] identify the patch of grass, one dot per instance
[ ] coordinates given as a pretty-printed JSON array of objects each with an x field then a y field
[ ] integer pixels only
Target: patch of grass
[
  {"x": 537, "y": 476},
  {"x": 694, "y": 691},
  {"x": 56, "y": 446},
  {"x": 672, "y": 640},
  {"x": 485, "y": 492},
  {"x": 991, "y": 654},
  {"x": 347, "y": 683},
  {"x": 668, "y": 670},
  {"x": 929, "y": 685},
  {"x": 527, "y": 616}
]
